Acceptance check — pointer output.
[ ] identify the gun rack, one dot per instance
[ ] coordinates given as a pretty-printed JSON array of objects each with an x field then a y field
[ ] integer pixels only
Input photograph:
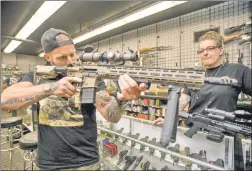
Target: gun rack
[{"x": 201, "y": 163}]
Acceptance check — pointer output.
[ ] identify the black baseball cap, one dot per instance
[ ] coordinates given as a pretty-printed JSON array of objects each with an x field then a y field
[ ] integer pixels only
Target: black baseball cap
[{"x": 49, "y": 41}]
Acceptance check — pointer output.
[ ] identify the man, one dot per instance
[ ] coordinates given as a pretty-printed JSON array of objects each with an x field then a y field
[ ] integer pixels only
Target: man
[
  {"x": 67, "y": 136},
  {"x": 218, "y": 96}
]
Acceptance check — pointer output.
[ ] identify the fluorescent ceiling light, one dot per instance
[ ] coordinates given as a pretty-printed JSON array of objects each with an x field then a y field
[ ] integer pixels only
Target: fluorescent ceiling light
[
  {"x": 133, "y": 17},
  {"x": 41, "y": 54},
  {"x": 43, "y": 13}
]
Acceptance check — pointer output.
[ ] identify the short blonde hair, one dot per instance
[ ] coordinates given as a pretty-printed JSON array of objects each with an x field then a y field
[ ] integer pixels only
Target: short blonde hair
[{"x": 213, "y": 36}]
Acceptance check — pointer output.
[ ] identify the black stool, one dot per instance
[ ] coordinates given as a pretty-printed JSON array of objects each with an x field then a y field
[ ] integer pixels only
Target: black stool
[
  {"x": 28, "y": 143},
  {"x": 12, "y": 126}
]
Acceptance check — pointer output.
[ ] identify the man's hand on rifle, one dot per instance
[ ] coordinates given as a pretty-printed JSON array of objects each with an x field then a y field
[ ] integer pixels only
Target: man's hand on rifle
[
  {"x": 129, "y": 88},
  {"x": 63, "y": 87},
  {"x": 111, "y": 107}
]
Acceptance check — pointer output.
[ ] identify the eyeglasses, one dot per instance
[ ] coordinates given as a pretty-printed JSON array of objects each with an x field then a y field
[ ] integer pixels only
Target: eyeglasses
[{"x": 209, "y": 48}]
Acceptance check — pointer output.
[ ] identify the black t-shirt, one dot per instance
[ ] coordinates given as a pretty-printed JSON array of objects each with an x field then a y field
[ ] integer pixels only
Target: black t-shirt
[
  {"x": 62, "y": 147},
  {"x": 7, "y": 81},
  {"x": 220, "y": 96}
]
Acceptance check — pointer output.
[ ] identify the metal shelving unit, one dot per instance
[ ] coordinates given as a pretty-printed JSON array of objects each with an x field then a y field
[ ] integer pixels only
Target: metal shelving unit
[{"x": 164, "y": 150}]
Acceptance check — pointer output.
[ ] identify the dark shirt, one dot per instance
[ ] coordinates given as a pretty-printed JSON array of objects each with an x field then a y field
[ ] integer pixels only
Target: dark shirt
[
  {"x": 68, "y": 146},
  {"x": 7, "y": 81},
  {"x": 220, "y": 96}
]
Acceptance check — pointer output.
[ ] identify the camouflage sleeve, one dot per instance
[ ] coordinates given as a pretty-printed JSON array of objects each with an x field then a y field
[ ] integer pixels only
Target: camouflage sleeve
[
  {"x": 28, "y": 76},
  {"x": 7, "y": 82}
]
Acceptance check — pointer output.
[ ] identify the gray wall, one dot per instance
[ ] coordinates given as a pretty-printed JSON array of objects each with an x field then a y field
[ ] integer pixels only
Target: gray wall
[
  {"x": 178, "y": 33},
  {"x": 24, "y": 62}
]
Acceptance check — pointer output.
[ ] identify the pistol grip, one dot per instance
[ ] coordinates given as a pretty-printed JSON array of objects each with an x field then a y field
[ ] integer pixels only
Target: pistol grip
[{"x": 193, "y": 130}]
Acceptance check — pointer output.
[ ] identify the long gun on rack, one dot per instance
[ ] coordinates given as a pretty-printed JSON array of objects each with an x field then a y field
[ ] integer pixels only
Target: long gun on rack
[
  {"x": 217, "y": 122},
  {"x": 176, "y": 79}
]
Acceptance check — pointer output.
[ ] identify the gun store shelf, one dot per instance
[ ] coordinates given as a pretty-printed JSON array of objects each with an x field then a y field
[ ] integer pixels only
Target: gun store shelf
[
  {"x": 154, "y": 97},
  {"x": 179, "y": 128},
  {"x": 142, "y": 113},
  {"x": 151, "y": 97},
  {"x": 147, "y": 105},
  {"x": 148, "y": 122}
]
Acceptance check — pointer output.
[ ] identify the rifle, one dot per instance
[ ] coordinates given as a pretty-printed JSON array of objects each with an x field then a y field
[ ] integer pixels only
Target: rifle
[
  {"x": 231, "y": 30},
  {"x": 90, "y": 75},
  {"x": 223, "y": 115},
  {"x": 243, "y": 27},
  {"x": 216, "y": 127},
  {"x": 151, "y": 49}
]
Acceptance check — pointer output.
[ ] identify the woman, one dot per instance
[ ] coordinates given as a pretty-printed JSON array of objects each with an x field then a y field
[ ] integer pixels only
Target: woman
[{"x": 218, "y": 96}]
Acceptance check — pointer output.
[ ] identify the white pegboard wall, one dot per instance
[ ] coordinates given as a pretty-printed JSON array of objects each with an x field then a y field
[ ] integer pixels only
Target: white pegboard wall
[
  {"x": 178, "y": 33},
  {"x": 147, "y": 36},
  {"x": 148, "y": 42},
  {"x": 195, "y": 21},
  {"x": 169, "y": 35},
  {"x": 103, "y": 45},
  {"x": 115, "y": 43},
  {"x": 224, "y": 15},
  {"x": 129, "y": 40}
]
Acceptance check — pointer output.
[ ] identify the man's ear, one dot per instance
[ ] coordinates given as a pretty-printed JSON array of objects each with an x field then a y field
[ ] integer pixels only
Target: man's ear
[{"x": 47, "y": 57}]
